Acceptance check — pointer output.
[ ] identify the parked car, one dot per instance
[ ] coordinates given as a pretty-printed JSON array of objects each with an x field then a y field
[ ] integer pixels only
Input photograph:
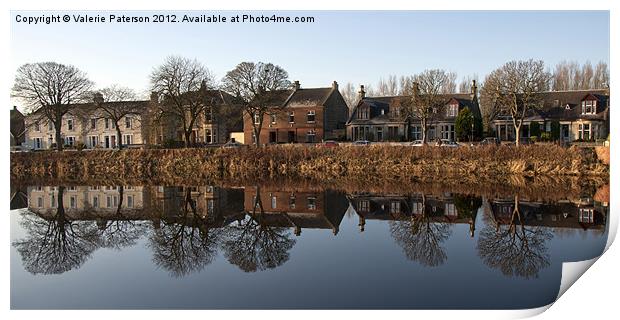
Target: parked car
[
  {"x": 447, "y": 143},
  {"x": 232, "y": 144},
  {"x": 490, "y": 141},
  {"x": 416, "y": 143},
  {"x": 361, "y": 143},
  {"x": 328, "y": 144}
]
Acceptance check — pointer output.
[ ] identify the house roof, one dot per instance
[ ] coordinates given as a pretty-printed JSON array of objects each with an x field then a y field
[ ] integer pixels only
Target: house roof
[
  {"x": 302, "y": 97},
  {"x": 17, "y": 125},
  {"x": 566, "y": 105},
  {"x": 385, "y": 103}
]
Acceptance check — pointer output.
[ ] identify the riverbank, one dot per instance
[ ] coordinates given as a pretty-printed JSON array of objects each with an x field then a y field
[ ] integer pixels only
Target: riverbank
[{"x": 497, "y": 164}]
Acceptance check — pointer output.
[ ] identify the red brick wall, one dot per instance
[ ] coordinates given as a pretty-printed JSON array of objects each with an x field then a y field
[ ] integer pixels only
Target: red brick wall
[{"x": 282, "y": 126}]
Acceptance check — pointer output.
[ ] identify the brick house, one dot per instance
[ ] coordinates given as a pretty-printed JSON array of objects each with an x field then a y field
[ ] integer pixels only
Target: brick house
[
  {"x": 575, "y": 115},
  {"x": 381, "y": 118},
  {"x": 301, "y": 115}
]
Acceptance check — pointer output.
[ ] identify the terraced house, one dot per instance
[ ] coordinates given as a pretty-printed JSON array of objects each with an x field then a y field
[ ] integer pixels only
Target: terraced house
[
  {"x": 86, "y": 124},
  {"x": 576, "y": 115},
  {"x": 382, "y": 118},
  {"x": 301, "y": 115}
]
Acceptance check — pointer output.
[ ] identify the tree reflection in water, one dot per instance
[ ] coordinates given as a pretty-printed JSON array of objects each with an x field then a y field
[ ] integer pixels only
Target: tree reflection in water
[
  {"x": 57, "y": 245},
  {"x": 253, "y": 245},
  {"x": 186, "y": 245},
  {"x": 421, "y": 238},
  {"x": 512, "y": 247},
  {"x": 119, "y": 231}
]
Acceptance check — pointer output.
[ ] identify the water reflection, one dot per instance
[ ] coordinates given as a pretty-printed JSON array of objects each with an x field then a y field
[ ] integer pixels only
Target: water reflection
[{"x": 255, "y": 228}]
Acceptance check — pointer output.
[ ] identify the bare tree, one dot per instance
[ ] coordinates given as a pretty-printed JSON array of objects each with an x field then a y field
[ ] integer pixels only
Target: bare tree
[
  {"x": 350, "y": 96},
  {"x": 514, "y": 89},
  {"x": 450, "y": 85},
  {"x": 465, "y": 85},
  {"x": 424, "y": 98},
  {"x": 601, "y": 76},
  {"x": 52, "y": 90},
  {"x": 573, "y": 76},
  {"x": 255, "y": 84},
  {"x": 387, "y": 87},
  {"x": 116, "y": 103},
  {"x": 183, "y": 83}
]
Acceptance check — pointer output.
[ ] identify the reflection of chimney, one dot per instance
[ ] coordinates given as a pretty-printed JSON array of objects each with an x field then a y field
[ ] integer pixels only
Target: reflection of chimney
[
  {"x": 297, "y": 85},
  {"x": 335, "y": 230},
  {"x": 297, "y": 231},
  {"x": 98, "y": 98},
  {"x": 472, "y": 228},
  {"x": 362, "y": 223},
  {"x": 362, "y": 92}
]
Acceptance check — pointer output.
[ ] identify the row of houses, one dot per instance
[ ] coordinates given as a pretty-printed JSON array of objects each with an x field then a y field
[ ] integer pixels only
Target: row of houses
[{"x": 308, "y": 115}]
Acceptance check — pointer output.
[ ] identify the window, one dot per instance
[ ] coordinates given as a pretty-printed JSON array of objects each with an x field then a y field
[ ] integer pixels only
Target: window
[
  {"x": 73, "y": 202},
  {"x": 108, "y": 201},
  {"x": 129, "y": 201},
  {"x": 453, "y": 110},
  {"x": 37, "y": 127},
  {"x": 586, "y": 215},
  {"x": 70, "y": 141},
  {"x": 274, "y": 118},
  {"x": 53, "y": 200},
  {"x": 291, "y": 201},
  {"x": 395, "y": 207},
  {"x": 417, "y": 208},
  {"x": 210, "y": 205},
  {"x": 274, "y": 202},
  {"x": 311, "y": 136},
  {"x": 584, "y": 131},
  {"x": 93, "y": 123},
  {"x": 70, "y": 124},
  {"x": 40, "y": 202},
  {"x": 311, "y": 116},
  {"x": 450, "y": 209},
  {"x": 209, "y": 114},
  {"x": 311, "y": 203},
  {"x": 37, "y": 143},
  {"x": 364, "y": 205},
  {"x": 291, "y": 117},
  {"x": 588, "y": 107},
  {"x": 93, "y": 141},
  {"x": 127, "y": 139},
  {"x": 95, "y": 201},
  {"x": 208, "y": 137},
  {"x": 362, "y": 113},
  {"x": 256, "y": 118},
  {"x": 416, "y": 132},
  {"x": 107, "y": 123},
  {"x": 128, "y": 122},
  {"x": 50, "y": 125}
]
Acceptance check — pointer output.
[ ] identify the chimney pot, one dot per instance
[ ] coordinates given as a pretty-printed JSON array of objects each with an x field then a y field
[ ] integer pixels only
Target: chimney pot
[
  {"x": 98, "y": 97},
  {"x": 297, "y": 85},
  {"x": 335, "y": 85},
  {"x": 362, "y": 92}
]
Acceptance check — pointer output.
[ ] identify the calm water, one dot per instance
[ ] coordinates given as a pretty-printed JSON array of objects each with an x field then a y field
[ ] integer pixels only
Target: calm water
[{"x": 258, "y": 247}]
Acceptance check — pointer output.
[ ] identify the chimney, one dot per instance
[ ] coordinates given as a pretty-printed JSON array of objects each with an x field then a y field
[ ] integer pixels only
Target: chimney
[
  {"x": 14, "y": 107},
  {"x": 98, "y": 97},
  {"x": 154, "y": 97},
  {"x": 203, "y": 85},
  {"x": 335, "y": 85},
  {"x": 362, "y": 92},
  {"x": 474, "y": 90},
  {"x": 416, "y": 89},
  {"x": 297, "y": 85}
]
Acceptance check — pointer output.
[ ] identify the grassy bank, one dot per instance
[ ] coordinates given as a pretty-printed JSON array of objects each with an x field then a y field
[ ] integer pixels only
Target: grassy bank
[{"x": 298, "y": 162}]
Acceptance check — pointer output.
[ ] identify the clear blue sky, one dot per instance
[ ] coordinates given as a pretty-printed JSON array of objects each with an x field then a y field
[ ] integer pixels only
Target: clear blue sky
[{"x": 357, "y": 47}]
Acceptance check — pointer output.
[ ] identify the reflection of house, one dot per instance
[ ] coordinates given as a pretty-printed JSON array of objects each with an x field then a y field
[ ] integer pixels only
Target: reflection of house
[
  {"x": 566, "y": 115},
  {"x": 576, "y": 215},
  {"x": 297, "y": 209},
  {"x": 382, "y": 118},
  {"x": 210, "y": 206},
  {"x": 300, "y": 115},
  {"x": 17, "y": 127},
  {"x": 434, "y": 208},
  {"x": 19, "y": 198}
]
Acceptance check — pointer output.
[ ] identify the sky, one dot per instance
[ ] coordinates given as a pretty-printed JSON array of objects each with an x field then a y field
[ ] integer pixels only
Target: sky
[{"x": 359, "y": 47}]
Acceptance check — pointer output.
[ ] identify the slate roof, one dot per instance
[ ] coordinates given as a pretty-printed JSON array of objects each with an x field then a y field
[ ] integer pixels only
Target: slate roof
[
  {"x": 566, "y": 105},
  {"x": 298, "y": 98},
  {"x": 17, "y": 124}
]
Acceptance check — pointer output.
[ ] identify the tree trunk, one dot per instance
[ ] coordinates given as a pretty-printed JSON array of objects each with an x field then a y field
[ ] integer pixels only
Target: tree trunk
[
  {"x": 58, "y": 137},
  {"x": 424, "y": 130},
  {"x": 188, "y": 135},
  {"x": 517, "y": 134},
  {"x": 118, "y": 136}
]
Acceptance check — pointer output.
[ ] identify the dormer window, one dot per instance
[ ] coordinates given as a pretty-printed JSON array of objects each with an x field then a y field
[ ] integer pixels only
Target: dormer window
[
  {"x": 453, "y": 110},
  {"x": 567, "y": 106},
  {"x": 362, "y": 113},
  {"x": 588, "y": 107}
]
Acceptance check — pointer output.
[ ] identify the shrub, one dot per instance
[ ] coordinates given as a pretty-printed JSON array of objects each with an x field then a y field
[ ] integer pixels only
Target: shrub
[
  {"x": 533, "y": 139},
  {"x": 80, "y": 146},
  {"x": 545, "y": 136},
  {"x": 535, "y": 129}
]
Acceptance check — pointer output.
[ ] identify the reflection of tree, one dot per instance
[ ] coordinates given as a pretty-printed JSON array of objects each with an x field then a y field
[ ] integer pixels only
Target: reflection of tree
[
  {"x": 187, "y": 245},
  {"x": 254, "y": 245},
  {"x": 513, "y": 248},
  {"x": 57, "y": 245},
  {"x": 421, "y": 238},
  {"x": 121, "y": 232}
]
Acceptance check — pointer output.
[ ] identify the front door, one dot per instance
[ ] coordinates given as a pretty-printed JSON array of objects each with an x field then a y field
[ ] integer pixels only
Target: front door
[
  {"x": 291, "y": 136},
  {"x": 107, "y": 142},
  {"x": 565, "y": 132},
  {"x": 272, "y": 137}
]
